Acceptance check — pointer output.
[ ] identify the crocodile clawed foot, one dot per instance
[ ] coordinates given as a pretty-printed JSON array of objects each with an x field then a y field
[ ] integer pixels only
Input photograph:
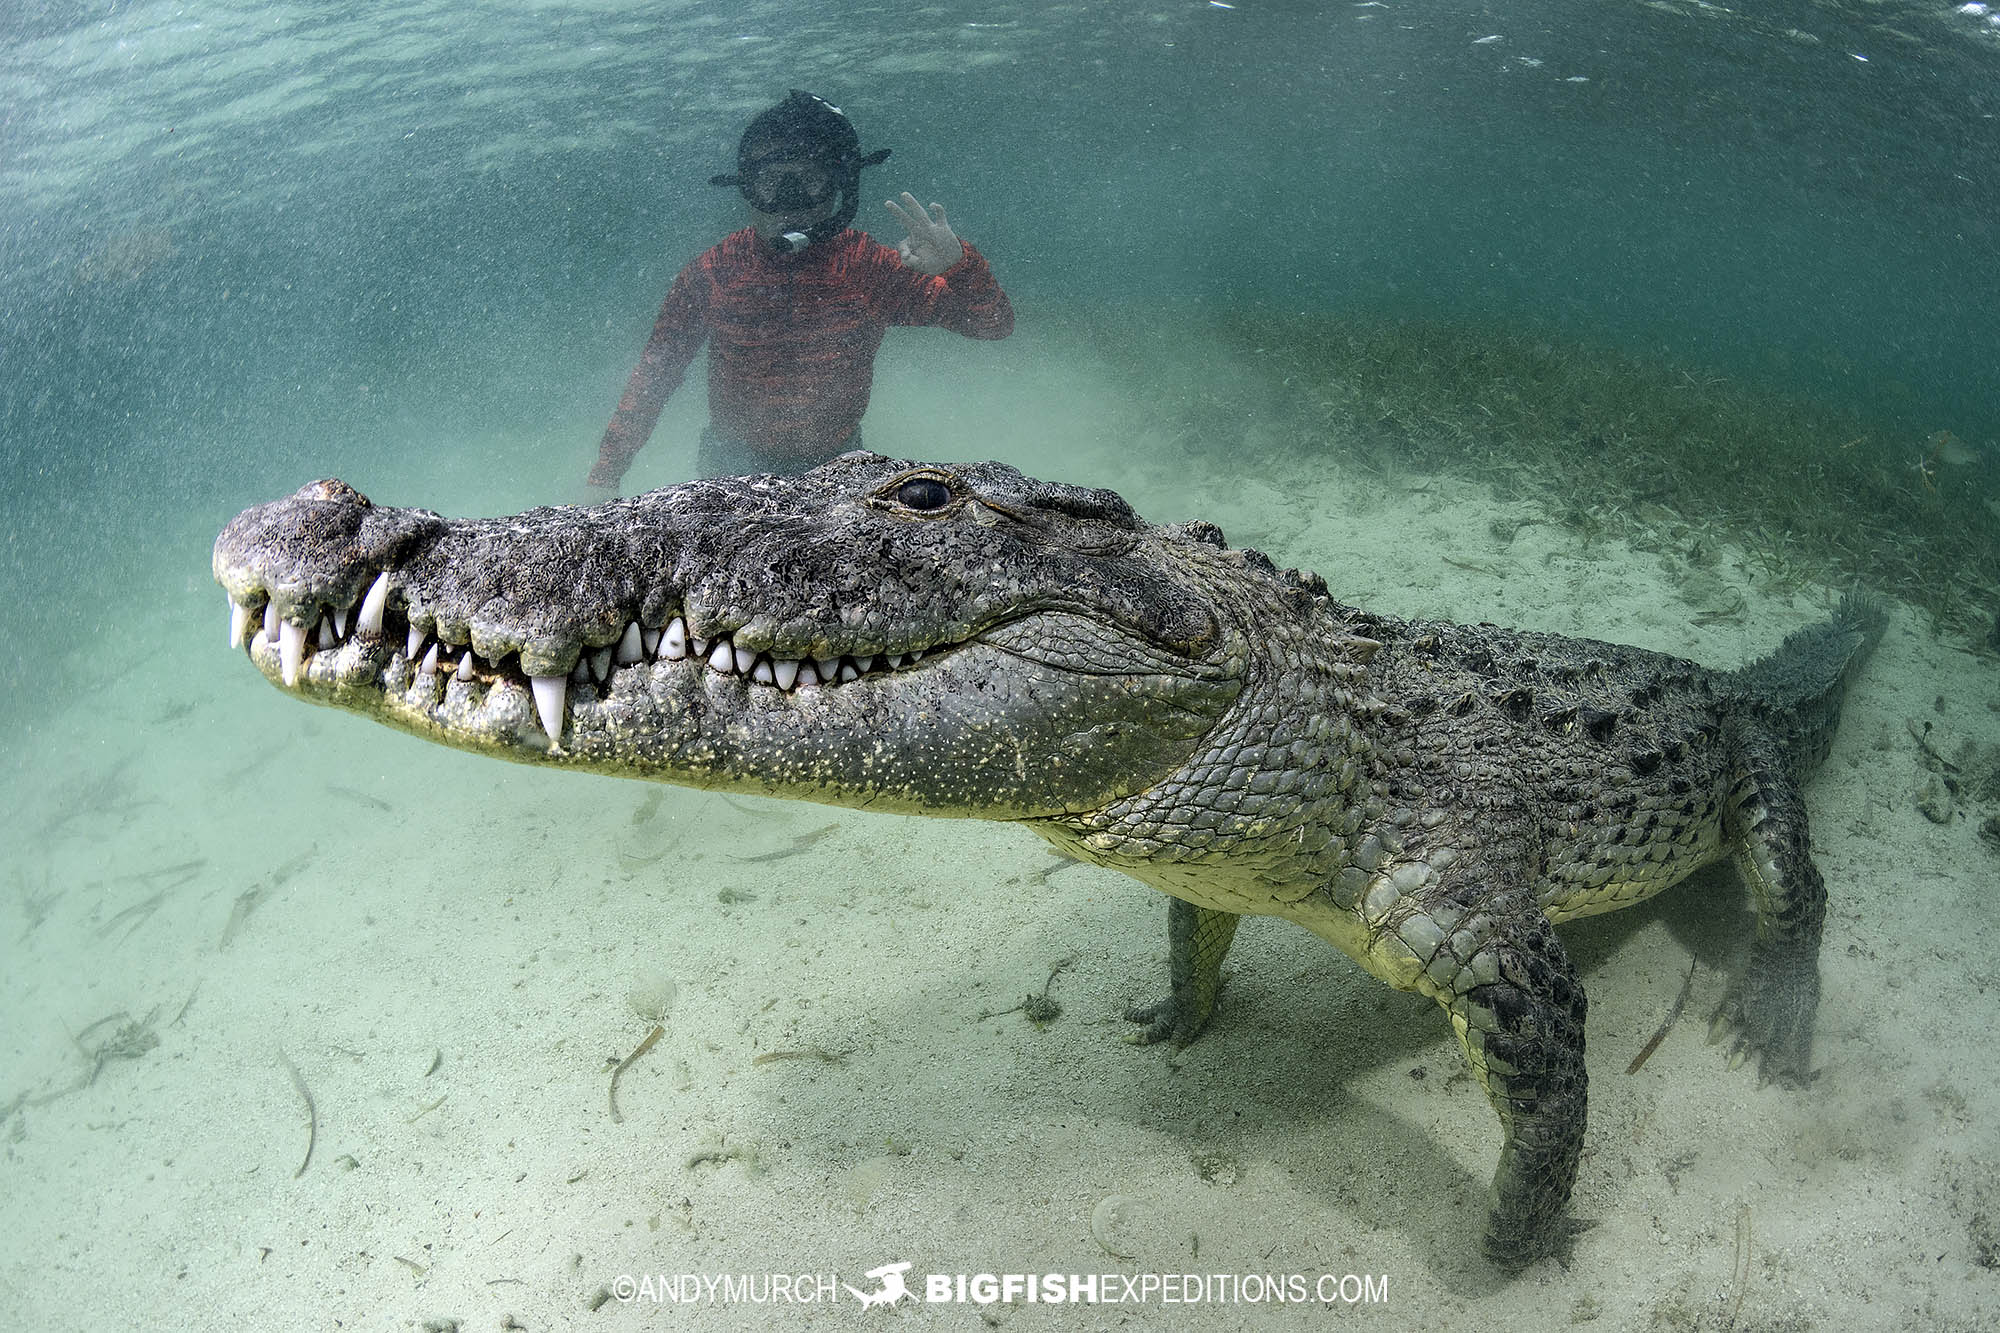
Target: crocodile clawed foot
[
  {"x": 1163, "y": 1021},
  {"x": 1512, "y": 1250},
  {"x": 1771, "y": 1020}
]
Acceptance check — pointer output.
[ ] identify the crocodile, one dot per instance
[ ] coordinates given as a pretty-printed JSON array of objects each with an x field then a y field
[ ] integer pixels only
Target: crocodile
[{"x": 963, "y": 640}]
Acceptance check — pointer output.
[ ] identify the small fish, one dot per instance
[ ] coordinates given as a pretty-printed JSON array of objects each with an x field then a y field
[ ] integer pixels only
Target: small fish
[
  {"x": 360, "y": 797},
  {"x": 1949, "y": 449},
  {"x": 798, "y": 844}
]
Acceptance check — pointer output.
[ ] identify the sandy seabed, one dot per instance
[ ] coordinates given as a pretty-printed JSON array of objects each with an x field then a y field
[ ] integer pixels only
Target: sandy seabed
[{"x": 212, "y": 888}]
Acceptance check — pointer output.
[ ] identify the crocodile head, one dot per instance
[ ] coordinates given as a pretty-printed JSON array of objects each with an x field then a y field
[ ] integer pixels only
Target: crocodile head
[{"x": 956, "y": 640}]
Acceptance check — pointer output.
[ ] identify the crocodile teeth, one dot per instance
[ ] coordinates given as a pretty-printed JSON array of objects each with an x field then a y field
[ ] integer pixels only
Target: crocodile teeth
[
  {"x": 430, "y": 656},
  {"x": 373, "y": 605},
  {"x": 291, "y": 649},
  {"x": 550, "y": 692}
]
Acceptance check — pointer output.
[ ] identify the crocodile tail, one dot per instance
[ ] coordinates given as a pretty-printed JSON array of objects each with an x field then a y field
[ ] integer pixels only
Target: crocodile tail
[{"x": 1796, "y": 691}]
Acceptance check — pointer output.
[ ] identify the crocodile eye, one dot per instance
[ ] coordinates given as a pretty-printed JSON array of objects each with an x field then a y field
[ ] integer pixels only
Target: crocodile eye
[{"x": 923, "y": 493}]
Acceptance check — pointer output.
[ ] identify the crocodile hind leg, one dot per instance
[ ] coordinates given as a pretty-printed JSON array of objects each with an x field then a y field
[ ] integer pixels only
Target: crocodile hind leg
[
  {"x": 1771, "y": 1007},
  {"x": 1518, "y": 1010},
  {"x": 1197, "y": 941}
]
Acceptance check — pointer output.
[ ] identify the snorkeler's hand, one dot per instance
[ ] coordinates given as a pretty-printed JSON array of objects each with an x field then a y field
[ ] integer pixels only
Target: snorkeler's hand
[{"x": 932, "y": 246}]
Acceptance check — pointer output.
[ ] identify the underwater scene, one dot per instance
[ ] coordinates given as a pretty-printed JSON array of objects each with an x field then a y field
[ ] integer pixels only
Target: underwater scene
[{"x": 1225, "y": 665}]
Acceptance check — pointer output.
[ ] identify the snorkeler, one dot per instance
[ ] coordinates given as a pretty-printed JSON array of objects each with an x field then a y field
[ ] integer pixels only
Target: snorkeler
[{"x": 794, "y": 306}]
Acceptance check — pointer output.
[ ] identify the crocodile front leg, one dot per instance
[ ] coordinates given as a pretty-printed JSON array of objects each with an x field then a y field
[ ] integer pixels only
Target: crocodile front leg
[
  {"x": 1197, "y": 941},
  {"x": 1771, "y": 1007},
  {"x": 1494, "y": 963}
]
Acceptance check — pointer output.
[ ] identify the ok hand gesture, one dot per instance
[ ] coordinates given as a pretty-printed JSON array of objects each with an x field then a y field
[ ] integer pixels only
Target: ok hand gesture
[{"x": 932, "y": 246}]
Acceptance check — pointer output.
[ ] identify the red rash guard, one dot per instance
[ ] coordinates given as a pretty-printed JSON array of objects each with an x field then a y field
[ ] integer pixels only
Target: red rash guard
[{"x": 792, "y": 340}]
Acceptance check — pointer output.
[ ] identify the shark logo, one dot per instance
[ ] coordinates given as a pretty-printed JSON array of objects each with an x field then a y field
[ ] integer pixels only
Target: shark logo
[{"x": 892, "y": 1289}]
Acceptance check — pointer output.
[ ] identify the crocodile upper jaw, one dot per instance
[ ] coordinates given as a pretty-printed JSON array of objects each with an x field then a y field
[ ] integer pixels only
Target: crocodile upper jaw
[{"x": 1013, "y": 662}]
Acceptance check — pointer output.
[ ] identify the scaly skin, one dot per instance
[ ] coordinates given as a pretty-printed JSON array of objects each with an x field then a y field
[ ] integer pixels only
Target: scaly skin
[{"x": 1428, "y": 797}]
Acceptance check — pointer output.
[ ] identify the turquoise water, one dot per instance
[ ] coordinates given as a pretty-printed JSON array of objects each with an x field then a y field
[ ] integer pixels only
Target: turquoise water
[
  {"x": 219, "y": 221},
  {"x": 419, "y": 245},
  {"x": 219, "y": 214}
]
